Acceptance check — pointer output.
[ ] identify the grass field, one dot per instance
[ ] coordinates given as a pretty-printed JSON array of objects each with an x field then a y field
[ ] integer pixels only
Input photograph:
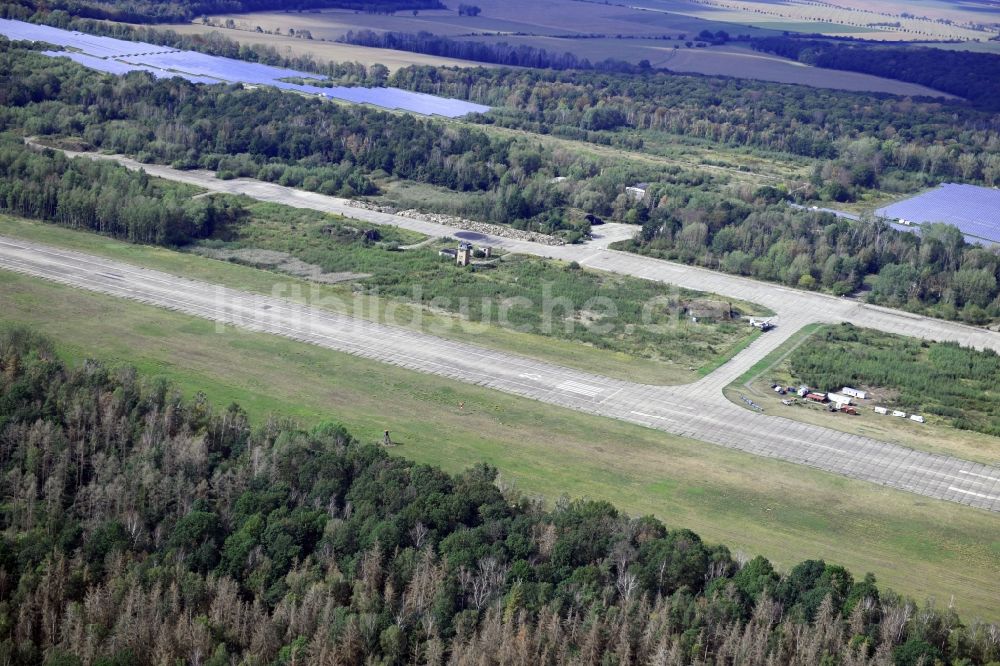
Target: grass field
[
  {"x": 786, "y": 512},
  {"x": 935, "y": 436},
  {"x": 662, "y": 149},
  {"x": 681, "y": 355},
  {"x": 420, "y": 276}
]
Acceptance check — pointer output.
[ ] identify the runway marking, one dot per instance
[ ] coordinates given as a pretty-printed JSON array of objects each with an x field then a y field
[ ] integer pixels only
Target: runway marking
[
  {"x": 530, "y": 375},
  {"x": 981, "y": 476},
  {"x": 653, "y": 416},
  {"x": 969, "y": 492},
  {"x": 581, "y": 389}
]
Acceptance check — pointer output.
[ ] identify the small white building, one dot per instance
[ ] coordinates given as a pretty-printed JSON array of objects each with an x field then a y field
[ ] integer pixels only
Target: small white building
[
  {"x": 916, "y": 417},
  {"x": 881, "y": 410},
  {"x": 854, "y": 393},
  {"x": 839, "y": 399},
  {"x": 637, "y": 191}
]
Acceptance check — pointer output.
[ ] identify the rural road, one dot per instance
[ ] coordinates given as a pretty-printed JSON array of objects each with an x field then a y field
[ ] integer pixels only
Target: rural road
[{"x": 697, "y": 411}]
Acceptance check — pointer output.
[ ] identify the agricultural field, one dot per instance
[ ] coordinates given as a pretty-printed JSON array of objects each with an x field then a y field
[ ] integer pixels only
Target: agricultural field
[
  {"x": 786, "y": 512},
  {"x": 416, "y": 288},
  {"x": 320, "y": 51},
  {"x": 947, "y": 385},
  {"x": 961, "y": 12},
  {"x": 657, "y": 32},
  {"x": 729, "y": 60},
  {"x": 858, "y": 21},
  {"x": 559, "y": 17}
]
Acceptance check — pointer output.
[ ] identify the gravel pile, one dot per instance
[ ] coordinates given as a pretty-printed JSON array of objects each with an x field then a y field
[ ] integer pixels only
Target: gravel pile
[{"x": 462, "y": 223}]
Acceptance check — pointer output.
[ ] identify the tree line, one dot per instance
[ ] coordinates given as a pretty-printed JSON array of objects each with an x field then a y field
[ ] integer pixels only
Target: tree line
[
  {"x": 502, "y": 53},
  {"x": 141, "y": 527},
  {"x": 181, "y": 11},
  {"x": 966, "y": 74},
  {"x": 104, "y": 197}
]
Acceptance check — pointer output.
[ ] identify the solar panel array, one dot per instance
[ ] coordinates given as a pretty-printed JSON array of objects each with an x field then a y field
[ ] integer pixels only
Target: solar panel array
[
  {"x": 974, "y": 210},
  {"x": 119, "y": 67},
  {"x": 101, "y": 47},
  {"x": 118, "y": 56},
  {"x": 223, "y": 69}
]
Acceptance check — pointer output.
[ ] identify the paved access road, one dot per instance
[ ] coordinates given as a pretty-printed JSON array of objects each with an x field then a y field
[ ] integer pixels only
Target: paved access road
[
  {"x": 700, "y": 414},
  {"x": 794, "y": 307}
]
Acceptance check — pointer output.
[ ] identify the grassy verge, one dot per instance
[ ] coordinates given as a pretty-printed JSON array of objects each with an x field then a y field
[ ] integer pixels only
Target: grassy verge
[
  {"x": 788, "y": 513},
  {"x": 778, "y": 354},
  {"x": 720, "y": 360},
  {"x": 935, "y": 436},
  {"x": 670, "y": 357}
]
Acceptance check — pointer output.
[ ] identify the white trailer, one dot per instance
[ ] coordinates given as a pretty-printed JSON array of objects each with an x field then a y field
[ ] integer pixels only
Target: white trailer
[{"x": 839, "y": 399}]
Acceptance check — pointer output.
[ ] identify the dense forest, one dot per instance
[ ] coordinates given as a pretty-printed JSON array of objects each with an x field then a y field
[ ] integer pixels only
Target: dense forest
[
  {"x": 959, "y": 384},
  {"x": 140, "y": 527},
  {"x": 182, "y": 11},
  {"x": 968, "y": 74}
]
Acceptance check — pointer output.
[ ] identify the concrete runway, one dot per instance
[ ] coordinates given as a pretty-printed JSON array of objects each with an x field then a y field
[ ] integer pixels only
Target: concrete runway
[{"x": 698, "y": 411}]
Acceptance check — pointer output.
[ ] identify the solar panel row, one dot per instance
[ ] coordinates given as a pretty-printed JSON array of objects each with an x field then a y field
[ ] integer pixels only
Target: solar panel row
[
  {"x": 101, "y": 47},
  {"x": 119, "y": 67},
  {"x": 119, "y": 57},
  {"x": 974, "y": 210},
  {"x": 226, "y": 69}
]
